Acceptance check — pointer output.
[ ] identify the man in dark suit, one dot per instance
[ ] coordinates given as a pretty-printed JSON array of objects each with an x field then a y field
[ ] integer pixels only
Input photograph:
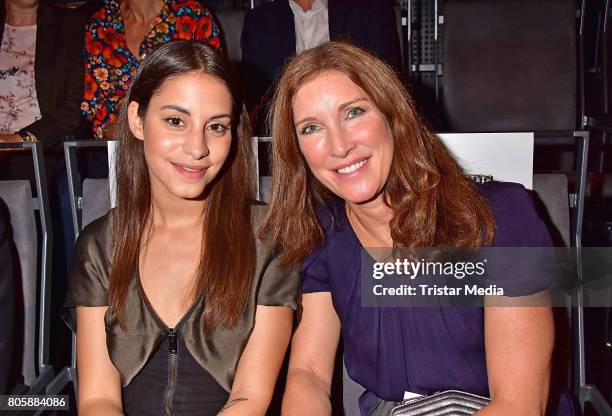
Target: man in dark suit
[{"x": 269, "y": 36}]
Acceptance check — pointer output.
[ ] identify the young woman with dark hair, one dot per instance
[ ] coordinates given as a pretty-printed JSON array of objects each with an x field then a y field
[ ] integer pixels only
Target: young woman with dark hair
[
  {"x": 354, "y": 166},
  {"x": 181, "y": 309}
]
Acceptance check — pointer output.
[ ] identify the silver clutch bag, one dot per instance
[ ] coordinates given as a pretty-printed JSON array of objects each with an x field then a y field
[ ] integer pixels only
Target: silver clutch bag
[{"x": 444, "y": 403}]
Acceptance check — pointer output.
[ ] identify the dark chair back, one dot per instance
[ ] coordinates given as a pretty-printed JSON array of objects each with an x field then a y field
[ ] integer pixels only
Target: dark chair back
[
  {"x": 509, "y": 65},
  {"x": 22, "y": 232}
]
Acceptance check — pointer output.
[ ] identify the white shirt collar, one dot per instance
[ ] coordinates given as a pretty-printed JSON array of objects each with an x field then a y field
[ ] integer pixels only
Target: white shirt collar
[
  {"x": 317, "y": 6},
  {"x": 311, "y": 27}
]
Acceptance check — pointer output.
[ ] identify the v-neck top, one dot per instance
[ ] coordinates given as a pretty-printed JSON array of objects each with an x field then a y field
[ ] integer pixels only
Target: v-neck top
[{"x": 130, "y": 348}]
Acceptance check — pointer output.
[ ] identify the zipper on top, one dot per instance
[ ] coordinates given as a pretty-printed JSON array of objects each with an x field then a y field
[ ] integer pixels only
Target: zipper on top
[
  {"x": 171, "y": 334},
  {"x": 172, "y": 364}
]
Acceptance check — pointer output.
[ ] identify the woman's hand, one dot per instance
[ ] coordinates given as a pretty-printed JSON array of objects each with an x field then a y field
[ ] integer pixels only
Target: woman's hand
[
  {"x": 260, "y": 362},
  {"x": 519, "y": 344},
  {"x": 313, "y": 355},
  {"x": 99, "y": 381}
]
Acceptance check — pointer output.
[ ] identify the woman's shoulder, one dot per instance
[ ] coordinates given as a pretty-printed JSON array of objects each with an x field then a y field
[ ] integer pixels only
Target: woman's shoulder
[
  {"x": 274, "y": 284},
  {"x": 509, "y": 200},
  {"x": 88, "y": 285},
  {"x": 331, "y": 215},
  {"x": 505, "y": 195},
  {"x": 338, "y": 236},
  {"x": 95, "y": 239},
  {"x": 97, "y": 229},
  {"x": 517, "y": 221}
]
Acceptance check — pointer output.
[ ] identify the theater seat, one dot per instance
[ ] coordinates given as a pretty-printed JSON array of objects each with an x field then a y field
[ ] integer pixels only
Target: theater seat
[
  {"x": 96, "y": 199},
  {"x": 551, "y": 198},
  {"x": 351, "y": 391},
  {"x": 17, "y": 200},
  {"x": 509, "y": 65}
]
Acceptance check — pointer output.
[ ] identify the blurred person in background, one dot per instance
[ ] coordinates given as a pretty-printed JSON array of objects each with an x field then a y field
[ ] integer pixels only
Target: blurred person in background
[
  {"x": 274, "y": 32},
  {"x": 41, "y": 84},
  {"x": 119, "y": 35},
  {"x": 40, "y": 71}
]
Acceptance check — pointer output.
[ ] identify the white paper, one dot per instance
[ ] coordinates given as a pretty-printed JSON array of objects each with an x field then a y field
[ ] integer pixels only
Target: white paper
[
  {"x": 508, "y": 157},
  {"x": 408, "y": 395}
]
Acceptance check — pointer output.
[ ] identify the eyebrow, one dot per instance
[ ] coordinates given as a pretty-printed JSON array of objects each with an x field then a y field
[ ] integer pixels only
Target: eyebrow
[
  {"x": 186, "y": 112},
  {"x": 176, "y": 108},
  {"x": 350, "y": 103},
  {"x": 218, "y": 116},
  {"x": 304, "y": 120},
  {"x": 341, "y": 107}
]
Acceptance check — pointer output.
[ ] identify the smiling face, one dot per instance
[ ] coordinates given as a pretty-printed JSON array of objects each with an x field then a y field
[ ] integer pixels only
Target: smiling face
[
  {"x": 186, "y": 132},
  {"x": 344, "y": 138}
]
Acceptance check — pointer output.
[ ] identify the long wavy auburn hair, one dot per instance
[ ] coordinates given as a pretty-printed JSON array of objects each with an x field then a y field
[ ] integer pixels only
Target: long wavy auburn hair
[
  {"x": 434, "y": 203},
  {"x": 227, "y": 254}
]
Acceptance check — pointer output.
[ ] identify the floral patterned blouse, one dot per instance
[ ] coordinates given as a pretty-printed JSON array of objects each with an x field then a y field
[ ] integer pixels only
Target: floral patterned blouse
[
  {"x": 110, "y": 65},
  {"x": 18, "y": 101}
]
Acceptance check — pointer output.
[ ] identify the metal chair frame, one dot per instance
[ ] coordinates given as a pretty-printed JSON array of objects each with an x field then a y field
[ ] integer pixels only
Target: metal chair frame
[
  {"x": 580, "y": 139},
  {"x": 68, "y": 374},
  {"x": 41, "y": 204},
  {"x": 74, "y": 185}
]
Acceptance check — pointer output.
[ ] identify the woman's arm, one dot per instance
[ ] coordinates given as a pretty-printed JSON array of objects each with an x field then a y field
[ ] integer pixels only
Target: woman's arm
[
  {"x": 313, "y": 354},
  {"x": 260, "y": 362},
  {"x": 99, "y": 381},
  {"x": 519, "y": 343}
]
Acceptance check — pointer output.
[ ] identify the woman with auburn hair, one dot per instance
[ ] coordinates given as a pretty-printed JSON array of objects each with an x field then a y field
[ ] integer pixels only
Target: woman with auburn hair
[
  {"x": 354, "y": 166},
  {"x": 181, "y": 309}
]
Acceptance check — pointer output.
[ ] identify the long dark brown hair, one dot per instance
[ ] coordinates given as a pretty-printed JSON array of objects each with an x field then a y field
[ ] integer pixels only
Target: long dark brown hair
[
  {"x": 227, "y": 256},
  {"x": 434, "y": 204}
]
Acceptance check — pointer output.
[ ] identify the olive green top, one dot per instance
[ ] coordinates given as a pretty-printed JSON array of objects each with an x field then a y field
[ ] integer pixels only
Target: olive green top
[{"x": 129, "y": 349}]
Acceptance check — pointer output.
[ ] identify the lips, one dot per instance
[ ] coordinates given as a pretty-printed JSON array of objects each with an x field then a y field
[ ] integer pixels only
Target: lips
[
  {"x": 351, "y": 167},
  {"x": 190, "y": 171}
]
